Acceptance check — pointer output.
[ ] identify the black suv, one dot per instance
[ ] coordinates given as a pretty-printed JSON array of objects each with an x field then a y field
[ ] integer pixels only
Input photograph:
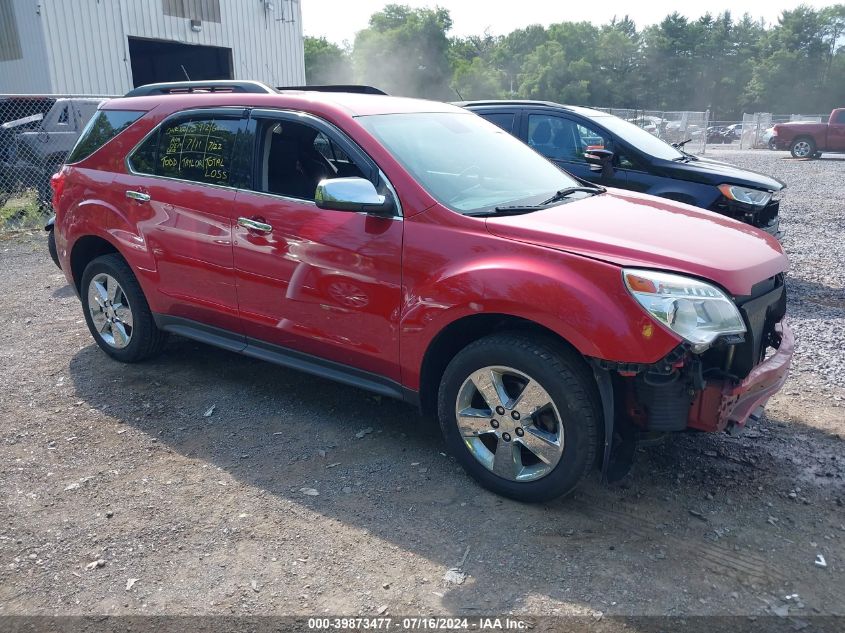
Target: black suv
[{"x": 607, "y": 150}]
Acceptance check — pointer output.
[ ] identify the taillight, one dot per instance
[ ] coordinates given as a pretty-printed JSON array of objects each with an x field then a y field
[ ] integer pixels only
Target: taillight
[{"x": 57, "y": 182}]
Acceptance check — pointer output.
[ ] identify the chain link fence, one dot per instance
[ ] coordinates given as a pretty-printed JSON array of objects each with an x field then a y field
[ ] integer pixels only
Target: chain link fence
[
  {"x": 757, "y": 127},
  {"x": 672, "y": 127},
  {"x": 755, "y": 130},
  {"x": 36, "y": 134}
]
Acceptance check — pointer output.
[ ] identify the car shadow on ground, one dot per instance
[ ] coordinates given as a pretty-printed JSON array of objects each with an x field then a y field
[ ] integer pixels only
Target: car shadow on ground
[
  {"x": 692, "y": 514},
  {"x": 63, "y": 292}
]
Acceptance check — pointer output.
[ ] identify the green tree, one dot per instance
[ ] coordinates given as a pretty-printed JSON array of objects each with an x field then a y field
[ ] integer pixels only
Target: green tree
[
  {"x": 616, "y": 79},
  {"x": 326, "y": 63},
  {"x": 405, "y": 51},
  {"x": 716, "y": 61},
  {"x": 792, "y": 74},
  {"x": 548, "y": 74},
  {"x": 476, "y": 79},
  {"x": 668, "y": 63}
]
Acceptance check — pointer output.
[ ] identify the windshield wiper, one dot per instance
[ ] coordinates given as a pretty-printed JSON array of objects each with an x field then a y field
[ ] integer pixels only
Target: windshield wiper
[
  {"x": 563, "y": 193},
  {"x": 517, "y": 209},
  {"x": 687, "y": 157}
]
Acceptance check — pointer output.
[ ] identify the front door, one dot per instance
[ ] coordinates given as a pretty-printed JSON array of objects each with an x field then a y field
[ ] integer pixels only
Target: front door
[
  {"x": 566, "y": 142},
  {"x": 321, "y": 282},
  {"x": 836, "y": 133}
]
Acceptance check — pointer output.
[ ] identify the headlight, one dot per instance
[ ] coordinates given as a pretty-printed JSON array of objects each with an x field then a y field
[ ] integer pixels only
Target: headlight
[
  {"x": 745, "y": 195},
  {"x": 696, "y": 311}
]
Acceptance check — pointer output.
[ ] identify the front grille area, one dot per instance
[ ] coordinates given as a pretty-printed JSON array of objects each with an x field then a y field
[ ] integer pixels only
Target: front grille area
[
  {"x": 767, "y": 214},
  {"x": 761, "y": 218},
  {"x": 760, "y": 315},
  {"x": 761, "y": 310}
]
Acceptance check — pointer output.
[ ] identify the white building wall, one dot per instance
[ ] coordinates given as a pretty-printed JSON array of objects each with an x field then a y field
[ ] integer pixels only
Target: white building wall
[
  {"x": 87, "y": 49},
  {"x": 27, "y": 75},
  {"x": 81, "y": 46}
]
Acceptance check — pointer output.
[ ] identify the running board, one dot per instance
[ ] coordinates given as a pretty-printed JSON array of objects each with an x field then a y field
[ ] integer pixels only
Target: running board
[{"x": 285, "y": 357}]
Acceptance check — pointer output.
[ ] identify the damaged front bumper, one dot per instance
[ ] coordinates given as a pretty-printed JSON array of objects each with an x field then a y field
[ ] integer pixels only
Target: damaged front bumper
[
  {"x": 722, "y": 402},
  {"x": 766, "y": 218}
]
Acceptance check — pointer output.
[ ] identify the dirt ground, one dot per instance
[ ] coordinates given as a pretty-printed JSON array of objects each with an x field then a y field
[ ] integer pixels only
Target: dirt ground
[{"x": 185, "y": 477}]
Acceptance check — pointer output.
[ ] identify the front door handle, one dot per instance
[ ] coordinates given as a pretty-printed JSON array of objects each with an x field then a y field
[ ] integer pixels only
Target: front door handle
[
  {"x": 254, "y": 225},
  {"x": 140, "y": 196}
]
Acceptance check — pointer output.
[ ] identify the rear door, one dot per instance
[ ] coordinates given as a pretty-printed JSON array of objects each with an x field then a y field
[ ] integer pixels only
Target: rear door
[{"x": 179, "y": 192}]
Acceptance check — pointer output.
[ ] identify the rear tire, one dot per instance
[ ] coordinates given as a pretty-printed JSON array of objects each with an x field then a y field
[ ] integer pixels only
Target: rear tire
[
  {"x": 803, "y": 147},
  {"x": 51, "y": 247},
  {"x": 116, "y": 311},
  {"x": 520, "y": 446}
]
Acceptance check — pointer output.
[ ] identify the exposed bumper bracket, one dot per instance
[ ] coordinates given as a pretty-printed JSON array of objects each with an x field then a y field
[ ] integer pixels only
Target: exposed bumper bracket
[{"x": 620, "y": 440}]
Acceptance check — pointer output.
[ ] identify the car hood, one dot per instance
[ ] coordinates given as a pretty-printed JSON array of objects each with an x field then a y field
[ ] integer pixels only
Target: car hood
[
  {"x": 631, "y": 229},
  {"x": 716, "y": 172}
]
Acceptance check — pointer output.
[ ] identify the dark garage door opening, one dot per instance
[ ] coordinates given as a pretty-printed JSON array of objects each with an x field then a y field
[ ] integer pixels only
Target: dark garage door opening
[{"x": 155, "y": 60}]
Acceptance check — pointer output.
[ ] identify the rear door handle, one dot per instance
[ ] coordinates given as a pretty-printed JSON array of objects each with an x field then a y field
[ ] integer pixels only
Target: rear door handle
[
  {"x": 254, "y": 225},
  {"x": 140, "y": 196}
]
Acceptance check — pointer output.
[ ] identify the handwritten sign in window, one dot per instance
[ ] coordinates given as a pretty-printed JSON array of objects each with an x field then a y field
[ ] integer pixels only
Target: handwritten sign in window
[{"x": 197, "y": 150}]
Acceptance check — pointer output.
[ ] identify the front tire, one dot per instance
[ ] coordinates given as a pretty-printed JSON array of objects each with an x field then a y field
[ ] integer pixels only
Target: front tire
[
  {"x": 803, "y": 147},
  {"x": 522, "y": 415},
  {"x": 116, "y": 311}
]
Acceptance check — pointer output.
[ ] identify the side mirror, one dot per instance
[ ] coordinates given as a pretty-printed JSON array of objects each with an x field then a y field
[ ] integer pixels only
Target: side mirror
[
  {"x": 600, "y": 160},
  {"x": 352, "y": 194}
]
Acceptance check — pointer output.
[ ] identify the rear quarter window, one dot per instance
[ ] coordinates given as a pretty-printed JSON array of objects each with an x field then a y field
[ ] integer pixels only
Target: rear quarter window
[{"x": 102, "y": 128}]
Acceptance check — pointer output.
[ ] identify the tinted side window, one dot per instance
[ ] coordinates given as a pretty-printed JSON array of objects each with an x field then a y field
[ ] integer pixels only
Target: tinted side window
[
  {"x": 503, "y": 119},
  {"x": 197, "y": 149},
  {"x": 295, "y": 157},
  {"x": 563, "y": 139},
  {"x": 840, "y": 117},
  {"x": 100, "y": 130}
]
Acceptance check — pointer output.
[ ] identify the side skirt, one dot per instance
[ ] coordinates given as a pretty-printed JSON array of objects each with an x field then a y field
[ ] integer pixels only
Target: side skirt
[{"x": 286, "y": 357}]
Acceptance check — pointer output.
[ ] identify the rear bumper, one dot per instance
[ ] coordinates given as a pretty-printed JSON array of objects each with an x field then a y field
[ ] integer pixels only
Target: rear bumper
[{"x": 722, "y": 402}]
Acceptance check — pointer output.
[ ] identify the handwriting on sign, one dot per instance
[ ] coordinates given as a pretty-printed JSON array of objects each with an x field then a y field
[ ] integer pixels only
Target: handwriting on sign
[{"x": 196, "y": 148}]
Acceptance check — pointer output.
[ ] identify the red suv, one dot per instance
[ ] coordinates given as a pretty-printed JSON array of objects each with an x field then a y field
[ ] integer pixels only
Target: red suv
[{"x": 414, "y": 249}]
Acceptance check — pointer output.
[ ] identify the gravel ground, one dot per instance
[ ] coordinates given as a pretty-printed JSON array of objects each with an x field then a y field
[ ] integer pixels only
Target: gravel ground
[
  {"x": 813, "y": 212},
  {"x": 295, "y": 495}
]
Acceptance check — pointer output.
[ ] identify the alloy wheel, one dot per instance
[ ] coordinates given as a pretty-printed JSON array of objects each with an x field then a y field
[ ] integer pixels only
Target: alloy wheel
[
  {"x": 110, "y": 310},
  {"x": 509, "y": 423},
  {"x": 802, "y": 149}
]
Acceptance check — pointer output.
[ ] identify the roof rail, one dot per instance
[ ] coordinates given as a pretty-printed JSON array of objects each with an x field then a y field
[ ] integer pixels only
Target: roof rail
[
  {"x": 366, "y": 90},
  {"x": 189, "y": 87}
]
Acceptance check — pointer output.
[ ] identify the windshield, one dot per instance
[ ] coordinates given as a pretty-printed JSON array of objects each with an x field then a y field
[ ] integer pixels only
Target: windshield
[
  {"x": 465, "y": 162},
  {"x": 639, "y": 138}
]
